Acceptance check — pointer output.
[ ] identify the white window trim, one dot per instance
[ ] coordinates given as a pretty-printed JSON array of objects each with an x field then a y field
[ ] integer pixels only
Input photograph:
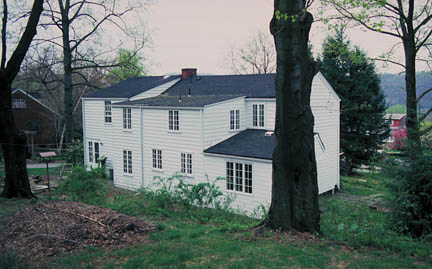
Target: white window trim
[
  {"x": 234, "y": 172},
  {"x": 127, "y": 119},
  {"x": 129, "y": 161},
  {"x": 173, "y": 121},
  {"x": 261, "y": 115},
  {"x": 92, "y": 153},
  {"x": 234, "y": 120},
  {"x": 157, "y": 159},
  {"x": 108, "y": 113},
  {"x": 258, "y": 115},
  {"x": 188, "y": 159}
]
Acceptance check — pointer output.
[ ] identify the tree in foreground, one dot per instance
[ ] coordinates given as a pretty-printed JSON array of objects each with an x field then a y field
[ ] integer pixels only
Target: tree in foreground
[
  {"x": 410, "y": 22},
  {"x": 353, "y": 77},
  {"x": 294, "y": 203},
  {"x": 13, "y": 141}
]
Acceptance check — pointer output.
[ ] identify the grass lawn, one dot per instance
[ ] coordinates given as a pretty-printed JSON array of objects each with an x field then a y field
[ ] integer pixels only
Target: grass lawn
[
  {"x": 37, "y": 171},
  {"x": 353, "y": 235}
]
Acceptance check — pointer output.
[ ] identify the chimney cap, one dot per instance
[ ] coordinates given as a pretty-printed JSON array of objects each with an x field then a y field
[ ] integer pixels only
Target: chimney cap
[{"x": 188, "y": 72}]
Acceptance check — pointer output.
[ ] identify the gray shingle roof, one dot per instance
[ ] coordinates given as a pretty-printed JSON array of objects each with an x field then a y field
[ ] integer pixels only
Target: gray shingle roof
[
  {"x": 248, "y": 85},
  {"x": 173, "y": 101},
  {"x": 131, "y": 87},
  {"x": 248, "y": 143}
]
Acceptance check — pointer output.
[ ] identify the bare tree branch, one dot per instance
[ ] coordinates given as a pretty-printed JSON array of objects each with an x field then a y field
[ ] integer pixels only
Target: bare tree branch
[
  {"x": 3, "y": 34},
  {"x": 423, "y": 94},
  {"x": 424, "y": 116}
]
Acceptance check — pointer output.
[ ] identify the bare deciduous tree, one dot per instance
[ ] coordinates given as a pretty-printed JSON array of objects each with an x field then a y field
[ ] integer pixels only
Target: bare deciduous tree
[
  {"x": 13, "y": 141},
  {"x": 409, "y": 21},
  {"x": 79, "y": 24},
  {"x": 258, "y": 56}
]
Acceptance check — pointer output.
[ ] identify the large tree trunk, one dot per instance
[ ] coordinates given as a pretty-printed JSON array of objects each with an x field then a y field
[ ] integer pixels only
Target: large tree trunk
[
  {"x": 294, "y": 202},
  {"x": 67, "y": 77},
  {"x": 12, "y": 141},
  {"x": 411, "y": 98},
  {"x": 14, "y": 147}
]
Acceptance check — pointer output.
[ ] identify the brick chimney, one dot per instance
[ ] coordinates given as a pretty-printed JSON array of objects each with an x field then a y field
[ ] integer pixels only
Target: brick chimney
[{"x": 188, "y": 72}]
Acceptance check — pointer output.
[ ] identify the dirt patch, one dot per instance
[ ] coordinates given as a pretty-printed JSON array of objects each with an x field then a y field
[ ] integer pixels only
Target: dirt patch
[
  {"x": 46, "y": 229},
  {"x": 373, "y": 201}
]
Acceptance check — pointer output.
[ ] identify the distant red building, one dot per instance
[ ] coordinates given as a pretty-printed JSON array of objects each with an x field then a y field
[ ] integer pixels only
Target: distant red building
[
  {"x": 39, "y": 122},
  {"x": 396, "y": 122}
]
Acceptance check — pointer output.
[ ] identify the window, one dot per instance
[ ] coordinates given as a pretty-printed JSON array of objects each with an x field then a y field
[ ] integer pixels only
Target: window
[
  {"x": 239, "y": 177},
  {"x": 127, "y": 121},
  {"x": 157, "y": 158},
  {"x": 255, "y": 115},
  {"x": 173, "y": 120},
  {"x": 127, "y": 161},
  {"x": 186, "y": 163},
  {"x": 19, "y": 103},
  {"x": 261, "y": 115},
  {"x": 248, "y": 178},
  {"x": 230, "y": 175},
  {"x": 93, "y": 149},
  {"x": 108, "y": 117},
  {"x": 234, "y": 119},
  {"x": 90, "y": 148},
  {"x": 96, "y": 151},
  {"x": 258, "y": 115}
]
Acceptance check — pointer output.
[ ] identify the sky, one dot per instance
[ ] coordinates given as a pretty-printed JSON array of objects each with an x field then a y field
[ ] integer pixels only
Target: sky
[{"x": 200, "y": 33}]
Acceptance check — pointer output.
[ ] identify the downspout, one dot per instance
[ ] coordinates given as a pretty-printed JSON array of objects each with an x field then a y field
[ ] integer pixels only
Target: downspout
[
  {"x": 202, "y": 141},
  {"x": 84, "y": 132},
  {"x": 338, "y": 146},
  {"x": 142, "y": 147}
]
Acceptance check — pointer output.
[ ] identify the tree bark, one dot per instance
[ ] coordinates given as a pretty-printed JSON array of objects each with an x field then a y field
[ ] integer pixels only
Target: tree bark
[
  {"x": 294, "y": 202},
  {"x": 67, "y": 67},
  {"x": 410, "y": 84},
  {"x": 13, "y": 142}
]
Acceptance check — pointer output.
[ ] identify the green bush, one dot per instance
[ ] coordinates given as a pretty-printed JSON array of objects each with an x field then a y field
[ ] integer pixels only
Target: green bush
[
  {"x": 201, "y": 202},
  {"x": 83, "y": 185},
  {"x": 204, "y": 194},
  {"x": 411, "y": 193},
  {"x": 75, "y": 152}
]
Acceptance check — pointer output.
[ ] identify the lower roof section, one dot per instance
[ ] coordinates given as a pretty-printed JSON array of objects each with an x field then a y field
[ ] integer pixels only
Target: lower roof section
[
  {"x": 250, "y": 143},
  {"x": 178, "y": 101}
]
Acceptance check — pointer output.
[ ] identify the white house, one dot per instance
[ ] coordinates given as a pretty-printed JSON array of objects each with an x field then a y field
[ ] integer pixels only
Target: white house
[{"x": 215, "y": 126}]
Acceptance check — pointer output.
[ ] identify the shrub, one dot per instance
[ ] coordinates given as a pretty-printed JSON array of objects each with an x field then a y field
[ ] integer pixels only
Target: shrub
[
  {"x": 201, "y": 202},
  {"x": 204, "y": 194},
  {"x": 411, "y": 189},
  {"x": 399, "y": 138},
  {"x": 83, "y": 185},
  {"x": 75, "y": 152}
]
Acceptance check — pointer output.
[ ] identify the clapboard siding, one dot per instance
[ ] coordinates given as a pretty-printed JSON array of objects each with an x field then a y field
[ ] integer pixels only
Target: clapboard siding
[
  {"x": 216, "y": 122},
  {"x": 127, "y": 140},
  {"x": 261, "y": 182},
  {"x": 96, "y": 130},
  {"x": 325, "y": 108},
  {"x": 200, "y": 128},
  {"x": 269, "y": 112},
  {"x": 156, "y": 135}
]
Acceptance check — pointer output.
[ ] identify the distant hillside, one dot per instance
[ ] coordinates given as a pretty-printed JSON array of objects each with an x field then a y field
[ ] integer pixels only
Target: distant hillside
[{"x": 393, "y": 86}]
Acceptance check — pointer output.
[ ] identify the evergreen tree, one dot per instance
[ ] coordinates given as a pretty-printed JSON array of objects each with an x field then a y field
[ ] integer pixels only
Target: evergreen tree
[{"x": 353, "y": 77}]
